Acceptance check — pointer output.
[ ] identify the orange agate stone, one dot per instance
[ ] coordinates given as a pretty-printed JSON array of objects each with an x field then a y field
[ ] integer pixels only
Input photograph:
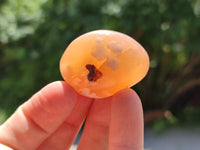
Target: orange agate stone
[{"x": 100, "y": 63}]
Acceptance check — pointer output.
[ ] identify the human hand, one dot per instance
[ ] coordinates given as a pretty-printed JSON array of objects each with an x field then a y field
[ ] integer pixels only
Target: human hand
[{"x": 51, "y": 119}]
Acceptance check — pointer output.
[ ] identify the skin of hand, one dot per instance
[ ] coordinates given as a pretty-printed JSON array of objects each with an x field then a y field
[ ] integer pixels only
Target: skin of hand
[{"x": 52, "y": 118}]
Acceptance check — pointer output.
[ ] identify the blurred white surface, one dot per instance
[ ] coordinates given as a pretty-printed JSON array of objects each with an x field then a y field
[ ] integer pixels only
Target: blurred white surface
[{"x": 173, "y": 139}]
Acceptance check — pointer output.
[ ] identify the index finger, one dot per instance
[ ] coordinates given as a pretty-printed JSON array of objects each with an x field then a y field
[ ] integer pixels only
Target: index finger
[{"x": 40, "y": 116}]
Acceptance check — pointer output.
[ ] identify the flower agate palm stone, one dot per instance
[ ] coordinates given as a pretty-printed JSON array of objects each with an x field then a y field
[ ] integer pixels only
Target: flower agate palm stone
[{"x": 100, "y": 63}]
